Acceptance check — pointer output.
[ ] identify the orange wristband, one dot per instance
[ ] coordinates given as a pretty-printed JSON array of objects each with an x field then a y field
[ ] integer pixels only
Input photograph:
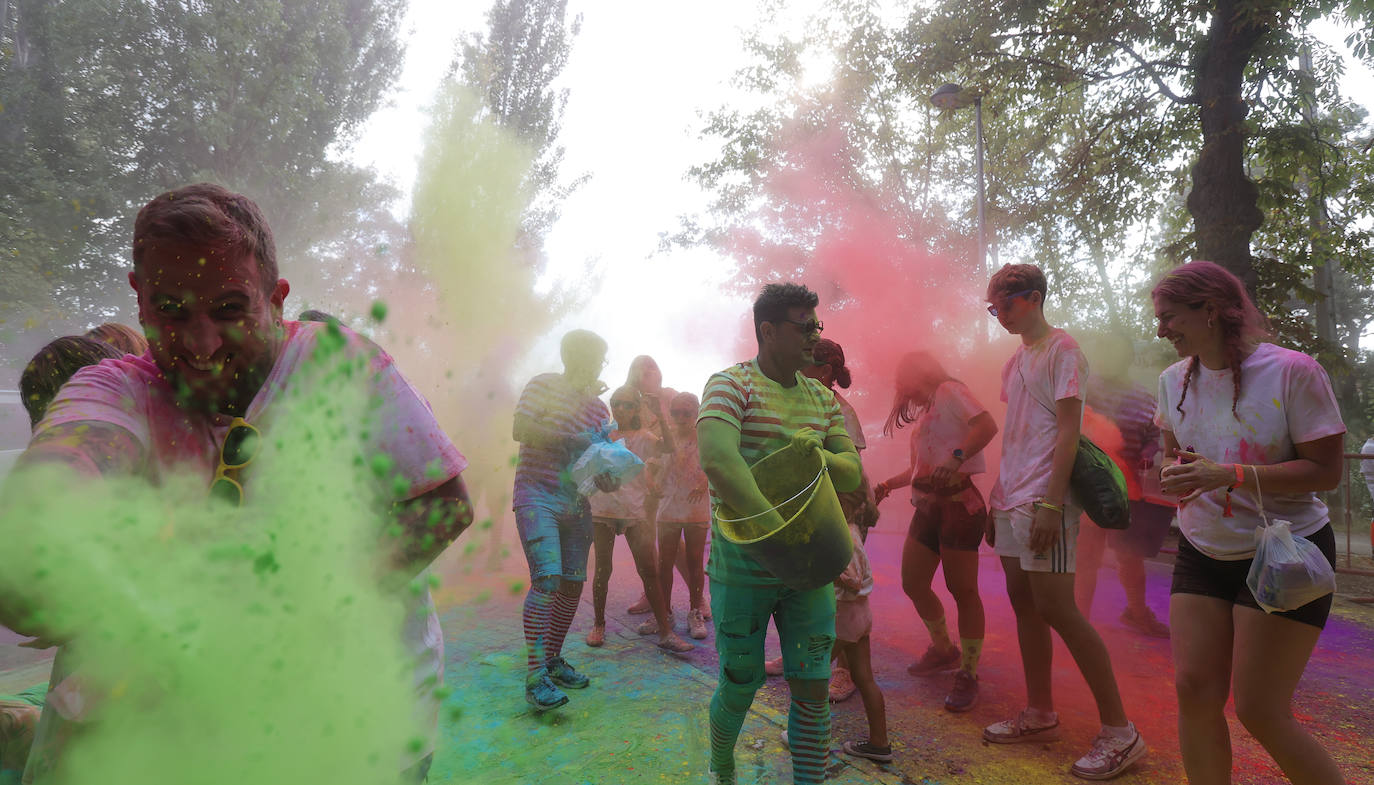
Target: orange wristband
[{"x": 1240, "y": 476}]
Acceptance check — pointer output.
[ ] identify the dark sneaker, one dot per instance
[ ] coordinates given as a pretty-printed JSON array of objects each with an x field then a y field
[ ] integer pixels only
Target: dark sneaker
[
  {"x": 934, "y": 661},
  {"x": 964, "y": 694},
  {"x": 863, "y": 749},
  {"x": 565, "y": 675},
  {"x": 541, "y": 693},
  {"x": 1109, "y": 757},
  {"x": 1020, "y": 730},
  {"x": 1145, "y": 623}
]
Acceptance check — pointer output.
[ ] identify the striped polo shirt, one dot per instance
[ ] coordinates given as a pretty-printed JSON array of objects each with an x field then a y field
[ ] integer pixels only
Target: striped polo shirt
[
  {"x": 766, "y": 414},
  {"x": 541, "y": 476}
]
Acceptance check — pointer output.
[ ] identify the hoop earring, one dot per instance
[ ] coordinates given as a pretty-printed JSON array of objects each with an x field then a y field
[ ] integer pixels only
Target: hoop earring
[{"x": 1209, "y": 322}]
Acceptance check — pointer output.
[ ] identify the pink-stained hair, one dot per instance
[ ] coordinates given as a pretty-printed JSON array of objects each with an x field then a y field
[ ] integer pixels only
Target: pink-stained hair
[{"x": 1199, "y": 284}]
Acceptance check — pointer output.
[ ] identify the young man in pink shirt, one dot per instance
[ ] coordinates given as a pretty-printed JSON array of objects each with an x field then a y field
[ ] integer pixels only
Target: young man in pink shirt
[
  {"x": 1035, "y": 524},
  {"x": 221, "y": 368}
]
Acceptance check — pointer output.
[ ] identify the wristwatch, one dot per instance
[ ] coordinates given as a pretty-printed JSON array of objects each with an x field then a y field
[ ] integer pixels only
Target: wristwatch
[{"x": 958, "y": 455}]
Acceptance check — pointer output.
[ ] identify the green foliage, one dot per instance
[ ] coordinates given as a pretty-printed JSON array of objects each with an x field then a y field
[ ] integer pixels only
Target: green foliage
[
  {"x": 106, "y": 104},
  {"x": 513, "y": 68},
  {"x": 1093, "y": 119}
]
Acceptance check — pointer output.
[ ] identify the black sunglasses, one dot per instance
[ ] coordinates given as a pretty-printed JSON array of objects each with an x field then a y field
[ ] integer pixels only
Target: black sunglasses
[{"x": 813, "y": 326}]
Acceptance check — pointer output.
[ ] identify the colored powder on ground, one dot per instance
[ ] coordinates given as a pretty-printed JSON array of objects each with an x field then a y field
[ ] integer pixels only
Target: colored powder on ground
[{"x": 228, "y": 645}]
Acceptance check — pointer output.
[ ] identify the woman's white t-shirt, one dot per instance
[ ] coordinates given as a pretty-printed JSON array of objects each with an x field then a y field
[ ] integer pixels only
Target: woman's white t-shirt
[
  {"x": 941, "y": 427},
  {"x": 1285, "y": 399}
]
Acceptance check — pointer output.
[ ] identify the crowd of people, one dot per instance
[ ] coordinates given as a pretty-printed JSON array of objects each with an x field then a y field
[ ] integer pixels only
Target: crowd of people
[
  {"x": 1279, "y": 430},
  {"x": 1239, "y": 427}
]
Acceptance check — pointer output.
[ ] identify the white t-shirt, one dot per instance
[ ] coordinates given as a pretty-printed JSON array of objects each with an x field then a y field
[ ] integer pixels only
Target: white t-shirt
[
  {"x": 1367, "y": 465},
  {"x": 941, "y": 428},
  {"x": 1053, "y": 369},
  {"x": 1285, "y": 399}
]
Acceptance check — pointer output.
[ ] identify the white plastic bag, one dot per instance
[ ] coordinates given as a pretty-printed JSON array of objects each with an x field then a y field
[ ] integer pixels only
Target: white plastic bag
[
  {"x": 1288, "y": 571},
  {"x": 605, "y": 457}
]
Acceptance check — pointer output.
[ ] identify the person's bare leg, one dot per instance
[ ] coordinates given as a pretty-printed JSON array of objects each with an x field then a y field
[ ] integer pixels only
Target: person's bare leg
[
  {"x": 641, "y": 539},
  {"x": 695, "y": 558},
  {"x": 1130, "y": 568},
  {"x": 603, "y": 551},
  {"x": 861, "y": 669},
  {"x": 1033, "y": 637},
  {"x": 1092, "y": 543},
  {"x": 918, "y": 572},
  {"x": 667, "y": 554},
  {"x": 961, "y": 578},
  {"x": 1271, "y": 653},
  {"x": 1054, "y": 599},
  {"x": 1202, "y": 644}
]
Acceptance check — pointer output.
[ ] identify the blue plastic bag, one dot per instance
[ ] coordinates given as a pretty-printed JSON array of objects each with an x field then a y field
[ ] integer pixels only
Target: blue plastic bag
[{"x": 605, "y": 457}]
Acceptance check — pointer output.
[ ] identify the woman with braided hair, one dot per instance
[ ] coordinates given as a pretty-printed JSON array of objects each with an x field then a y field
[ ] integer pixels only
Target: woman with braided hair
[{"x": 1261, "y": 434}]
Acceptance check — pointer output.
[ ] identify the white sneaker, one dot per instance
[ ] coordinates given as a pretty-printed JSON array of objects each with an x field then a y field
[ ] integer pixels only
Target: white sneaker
[
  {"x": 696, "y": 625},
  {"x": 1109, "y": 756}
]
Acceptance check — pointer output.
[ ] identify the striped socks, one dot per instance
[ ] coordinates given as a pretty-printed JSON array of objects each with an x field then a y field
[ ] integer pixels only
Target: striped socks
[
  {"x": 728, "y": 708},
  {"x": 808, "y": 734},
  {"x": 535, "y": 616},
  {"x": 560, "y": 619}
]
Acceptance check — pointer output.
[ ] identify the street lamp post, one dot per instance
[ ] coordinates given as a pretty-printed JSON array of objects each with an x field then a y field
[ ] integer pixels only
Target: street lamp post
[{"x": 952, "y": 96}]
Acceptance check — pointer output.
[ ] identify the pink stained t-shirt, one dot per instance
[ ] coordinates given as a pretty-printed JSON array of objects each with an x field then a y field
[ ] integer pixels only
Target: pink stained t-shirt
[
  {"x": 1033, "y": 380},
  {"x": 1285, "y": 400},
  {"x": 132, "y": 394},
  {"x": 682, "y": 476},
  {"x": 941, "y": 428}
]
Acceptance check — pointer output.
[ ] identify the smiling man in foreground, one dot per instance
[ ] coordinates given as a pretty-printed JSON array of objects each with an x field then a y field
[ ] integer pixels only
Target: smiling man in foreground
[{"x": 223, "y": 368}]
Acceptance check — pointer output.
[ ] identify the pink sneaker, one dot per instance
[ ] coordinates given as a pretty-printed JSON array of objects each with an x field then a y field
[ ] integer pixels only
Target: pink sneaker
[{"x": 841, "y": 685}]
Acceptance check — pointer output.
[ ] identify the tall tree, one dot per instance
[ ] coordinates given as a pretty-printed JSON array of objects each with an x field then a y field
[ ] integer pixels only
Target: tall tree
[
  {"x": 513, "y": 67},
  {"x": 1095, "y": 111},
  {"x": 490, "y": 188},
  {"x": 108, "y": 103}
]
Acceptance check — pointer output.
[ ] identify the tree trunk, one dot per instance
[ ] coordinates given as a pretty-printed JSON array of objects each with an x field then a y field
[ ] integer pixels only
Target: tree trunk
[{"x": 1223, "y": 201}]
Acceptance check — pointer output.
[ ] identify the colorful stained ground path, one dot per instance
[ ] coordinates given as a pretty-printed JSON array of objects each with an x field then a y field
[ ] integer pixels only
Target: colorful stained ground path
[{"x": 644, "y": 718}]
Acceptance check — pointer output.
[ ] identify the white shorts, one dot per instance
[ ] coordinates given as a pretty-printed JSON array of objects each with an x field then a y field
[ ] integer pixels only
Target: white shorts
[{"x": 1013, "y": 536}]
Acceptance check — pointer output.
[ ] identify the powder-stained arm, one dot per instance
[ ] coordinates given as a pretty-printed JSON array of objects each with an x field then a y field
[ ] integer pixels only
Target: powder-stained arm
[
  {"x": 428, "y": 523},
  {"x": 90, "y": 448},
  {"x": 718, "y": 445},
  {"x": 70, "y": 455}
]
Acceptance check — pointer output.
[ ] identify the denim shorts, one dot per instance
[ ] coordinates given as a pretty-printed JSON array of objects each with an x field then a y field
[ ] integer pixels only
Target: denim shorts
[{"x": 556, "y": 542}]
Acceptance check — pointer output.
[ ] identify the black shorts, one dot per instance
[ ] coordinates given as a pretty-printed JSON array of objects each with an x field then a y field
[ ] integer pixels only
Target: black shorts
[
  {"x": 956, "y": 521},
  {"x": 1197, "y": 573}
]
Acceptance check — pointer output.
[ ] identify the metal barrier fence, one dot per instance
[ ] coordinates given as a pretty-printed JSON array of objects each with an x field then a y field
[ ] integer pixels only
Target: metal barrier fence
[{"x": 1347, "y": 513}]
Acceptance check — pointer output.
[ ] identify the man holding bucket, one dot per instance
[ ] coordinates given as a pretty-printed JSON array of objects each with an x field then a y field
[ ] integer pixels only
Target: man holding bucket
[{"x": 749, "y": 411}]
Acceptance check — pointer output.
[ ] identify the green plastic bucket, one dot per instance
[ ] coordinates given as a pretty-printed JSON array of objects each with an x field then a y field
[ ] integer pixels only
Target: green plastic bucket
[{"x": 812, "y": 546}]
